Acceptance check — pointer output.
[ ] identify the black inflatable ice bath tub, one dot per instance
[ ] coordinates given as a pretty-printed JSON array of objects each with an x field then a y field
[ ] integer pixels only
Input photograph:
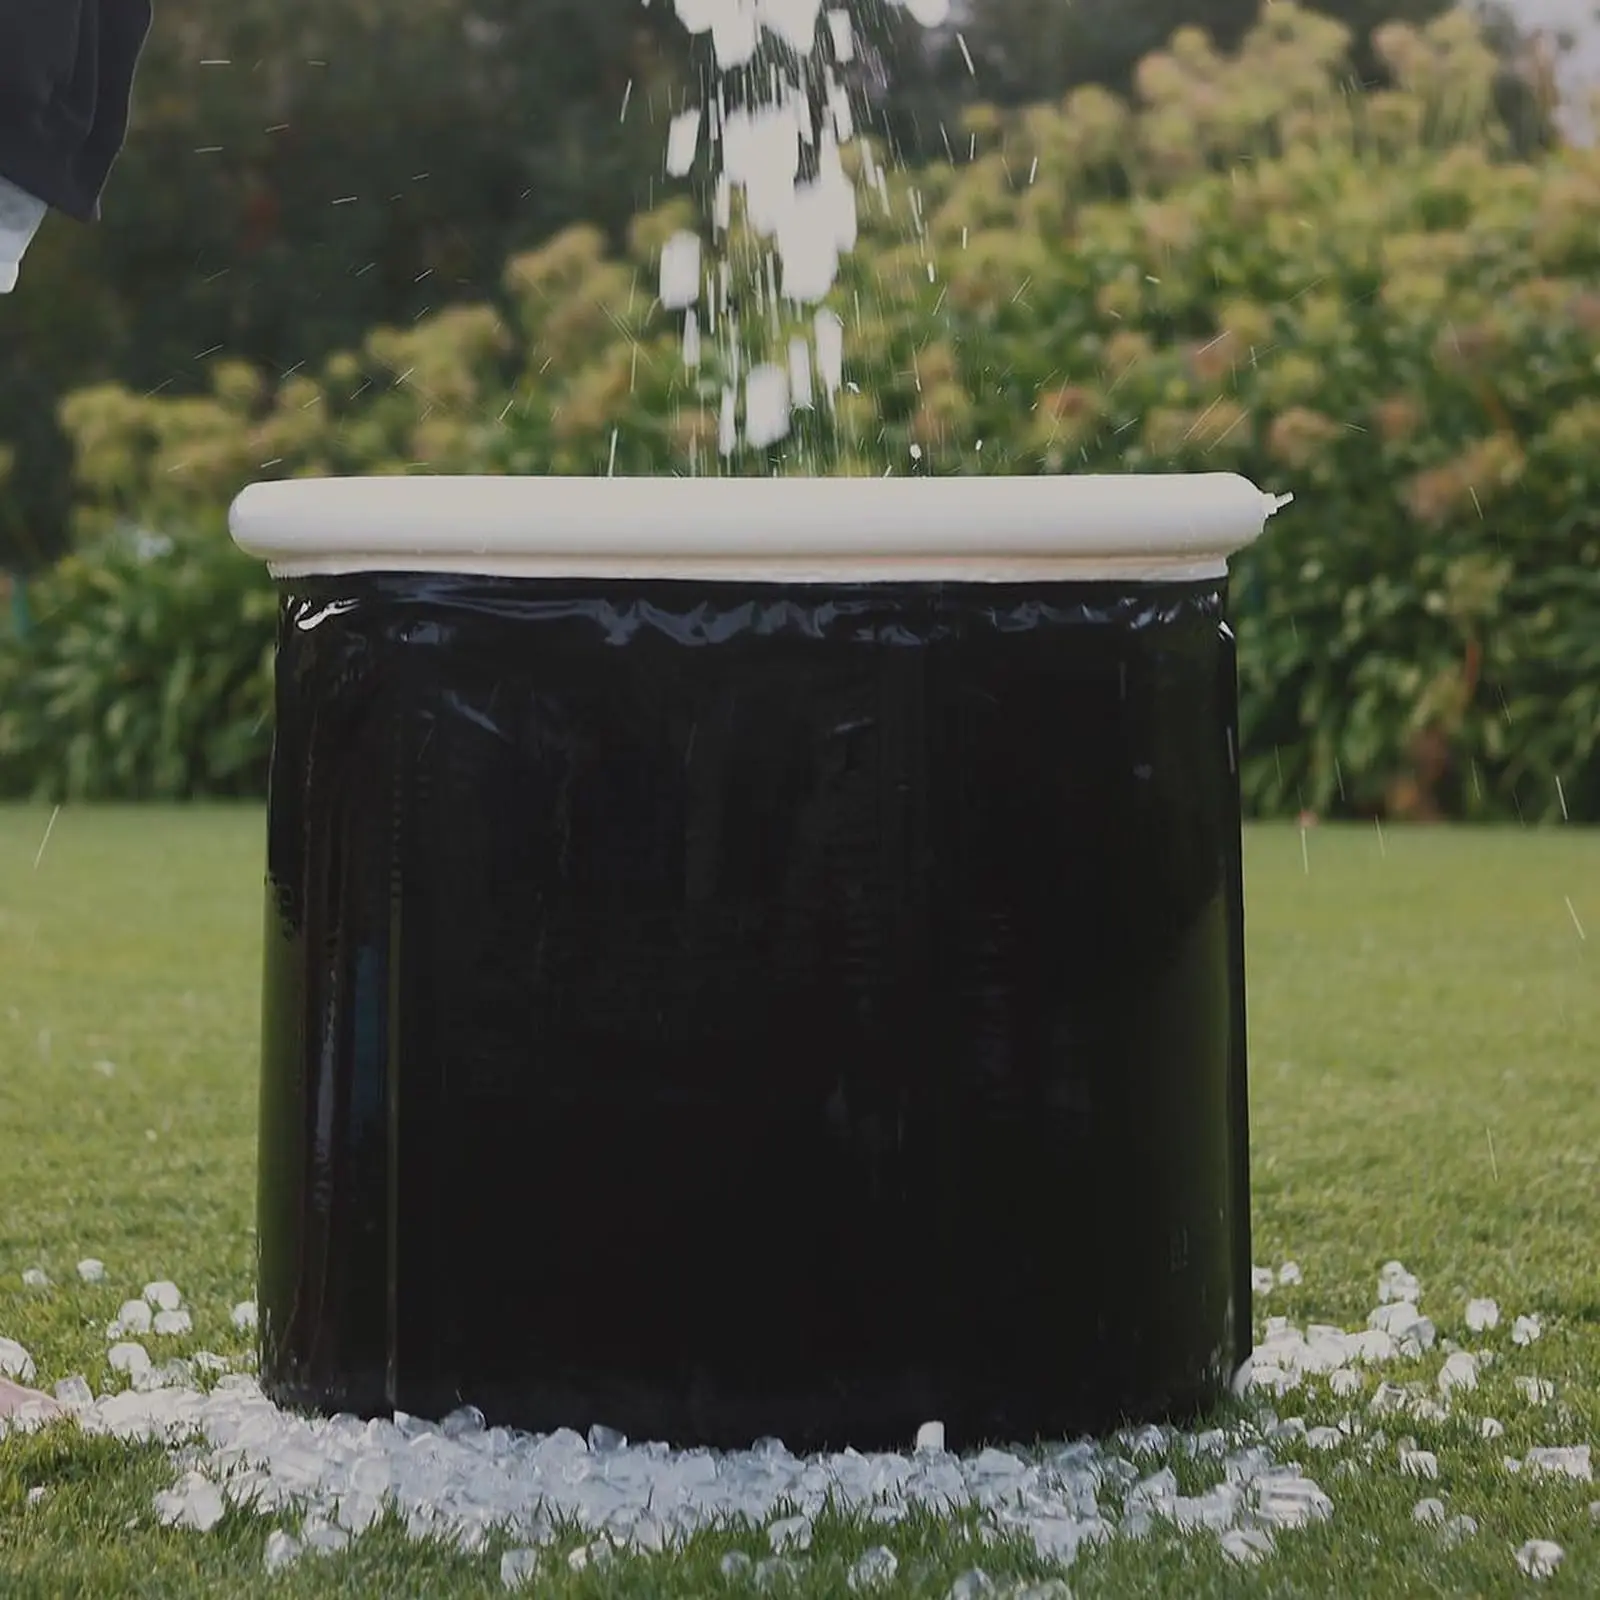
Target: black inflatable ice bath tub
[{"x": 755, "y": 958}]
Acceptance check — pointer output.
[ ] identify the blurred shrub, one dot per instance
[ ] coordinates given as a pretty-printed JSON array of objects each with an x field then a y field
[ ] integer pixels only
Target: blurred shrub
[
  {"x": 147, "y": 671},
  {"x": 1365, "y": 298}
]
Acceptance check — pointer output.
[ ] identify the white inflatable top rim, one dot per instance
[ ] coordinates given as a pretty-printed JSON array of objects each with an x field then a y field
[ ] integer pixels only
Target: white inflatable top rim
[{"x": 781, "y": 529}]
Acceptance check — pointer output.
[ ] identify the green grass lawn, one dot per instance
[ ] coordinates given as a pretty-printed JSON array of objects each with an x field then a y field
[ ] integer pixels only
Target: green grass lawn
[{"x": 1425, "y": 1034}]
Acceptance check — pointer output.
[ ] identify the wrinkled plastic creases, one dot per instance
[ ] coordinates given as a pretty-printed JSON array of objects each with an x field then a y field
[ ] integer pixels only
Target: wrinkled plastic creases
[{"x": 726, "y": 1010}]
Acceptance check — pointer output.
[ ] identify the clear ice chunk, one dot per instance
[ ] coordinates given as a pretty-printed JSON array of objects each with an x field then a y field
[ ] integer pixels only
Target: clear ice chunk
[
  {"x": 193, "y": 1502},
  {"x": 282, "y": 1550},
  {"x": 1539, "y": 1558},
  {"x": 15, "y": 1362},
  {"x": 877, "y": 1565},
  {"x": 518, "y": 1567}
]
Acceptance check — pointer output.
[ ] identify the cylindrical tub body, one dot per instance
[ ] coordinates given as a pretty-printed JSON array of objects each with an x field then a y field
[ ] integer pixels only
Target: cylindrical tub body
[{"x": 723, "y": 1009}]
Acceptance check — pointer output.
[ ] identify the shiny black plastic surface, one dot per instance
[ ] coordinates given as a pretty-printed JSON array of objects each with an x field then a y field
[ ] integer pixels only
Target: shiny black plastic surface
[{"x": 727, "y": 1010}]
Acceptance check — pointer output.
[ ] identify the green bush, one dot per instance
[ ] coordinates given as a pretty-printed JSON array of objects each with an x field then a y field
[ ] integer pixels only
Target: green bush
[
  {"x": 1365, "y": 298},
  {"x": 146, "y": 671}
]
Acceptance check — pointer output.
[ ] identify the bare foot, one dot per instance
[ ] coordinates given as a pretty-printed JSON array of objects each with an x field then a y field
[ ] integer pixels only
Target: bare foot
[{"x": 13, "y": 1397}]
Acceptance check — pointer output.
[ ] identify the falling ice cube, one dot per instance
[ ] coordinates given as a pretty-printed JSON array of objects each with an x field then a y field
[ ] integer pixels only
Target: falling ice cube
[
  {"x": 930, "y": 1436},
  {"x": 683, "y": 136}
]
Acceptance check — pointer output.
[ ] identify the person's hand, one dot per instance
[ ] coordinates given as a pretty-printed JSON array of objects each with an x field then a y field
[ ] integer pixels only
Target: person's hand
[
  {"x": 66, "y": 74},
  {"x": 20, "y": 216}
]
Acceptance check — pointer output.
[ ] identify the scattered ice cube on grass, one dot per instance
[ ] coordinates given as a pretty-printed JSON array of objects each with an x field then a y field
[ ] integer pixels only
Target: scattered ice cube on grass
[
  {"x": 1419, "y": 1463},
  {"x": 518, "y": 1567},
  {"x": 735, "y": 1564},
  {"x": 210, "y": 1361},
  {"x": 193, "y": 1502},
  {"x": 134, "y": 1317},
  {"x": 38, "y": 1494},
  {"x": 74, "y": 1392},
  {"x": 1429, "y": 1512},
  {"x": 1491, "y": 1428},
  {"x": 1263, "y": 1280},
  {"x": 1045, "y": 1589},
  {"x": 930, "y": 1436},
  {"x": 15, "y": 1362},
  {"x": 1285, "y": 1499},
  {"x": 1560, "y": 1461},
  {"x": 1344, "y": 1380},
  {"x": 1536, "y": 1391},
  {"x": 1482, "y": 1315},
  {"x": 323, "y": 1538},
  {"x": 243, "y": 1315},
  {"x": 876, "y": 1566},
  {"x": 585, "y": 1556},
  {"x": 602, "y": 1440},
  {"x": 1525, "y": 1330},
  {"x": 162, "y": 1295},
  {"x": 790, "y": 1533},
  {"x": 1246, "y": 1546},
  {"x": 283, "y": 1549},
  {"x": 169, "y": 1324},
  {"x": 1512, "y": 1464},
  {"x": 1397, "y": 1284},
  {"x": 776, "y": 1572},
  {"x": 128, "y": 1357},
  {"x": 972, "y": 1585},
  {"x": 1401, "y": 1320},
  {"x": 1539, "y": 1558},
  {"x": 1289, "y": 1273},
  {"x": 465, "y": 1422},
  {"x": 92, "y": 1270},
  {"x": 1460, "y": 1371},
  {"x": 35, "y": 1278},
  {"x": 1458, "y": 1528}
]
